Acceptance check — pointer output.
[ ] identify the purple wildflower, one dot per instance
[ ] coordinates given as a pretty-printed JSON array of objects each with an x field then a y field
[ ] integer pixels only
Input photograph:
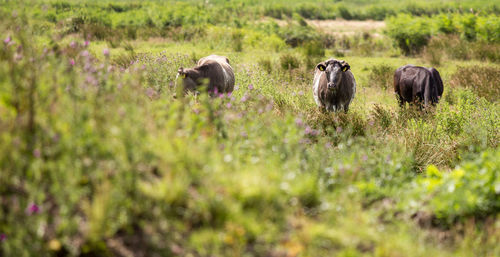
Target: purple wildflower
[
  {"x": 72, "y": 62},
  {"x": 301, "y": 92},
  {"x": 32, "y": 209},
  {"x": 37, "y": 153},
  {"x": 244, "y": 134},
  {"x": 309, "y": 131},
  {"x": 72, "y": 44},
  {"x": 85, "y": 53},
  {"x": 105, "y": 52},
  {"x": 236, "y": 87},
  {"x": 244, "y": 98},
  {"x": 364, "y": 158},
  {"x": 150, "y": 92},
  {"x": 3, "y": 237},
  {"x": 339, "y": 129},
  {"x": 7, "y": 40},
  {"x": 250, "y": 86},
  {"x": 86, "y": 43},
  {"x": 299, "y": 122},
  {"x": 228, "y": 105}
]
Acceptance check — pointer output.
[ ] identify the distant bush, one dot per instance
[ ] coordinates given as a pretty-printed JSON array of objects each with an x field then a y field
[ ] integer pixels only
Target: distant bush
[
  {"x": 409, "y": 34},
  {"x": 453, "y": 47},
  {"x": 344, "y": 12},
  {"x": 382, "y": 76},
  {"x": 483, "y": 80},
  {"x": 289, "y": 62},
  {"x": 295, "y": 35},
  {"x": 266, "y": 65}
]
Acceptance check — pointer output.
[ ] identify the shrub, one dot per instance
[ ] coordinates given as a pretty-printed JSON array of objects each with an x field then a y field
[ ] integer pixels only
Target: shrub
[
  {"x": 295, "y": 35},
  {"x": 289, "y": 62},
  {"x": 483, "y": 80},
  {"x": 237, "y": 37},
  {"x": 470, "y": 190},
  {"x": 266, "y": 65},
  {"x": 409, "y": 34},
  {"x": 344, "y": 12},
  {"x": 382, "y": 76},
  {"x": 382, "y": 116}
]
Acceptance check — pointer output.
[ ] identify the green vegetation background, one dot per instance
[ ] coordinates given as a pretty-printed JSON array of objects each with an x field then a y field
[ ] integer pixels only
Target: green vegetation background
[{"x": 97, "y": 157}]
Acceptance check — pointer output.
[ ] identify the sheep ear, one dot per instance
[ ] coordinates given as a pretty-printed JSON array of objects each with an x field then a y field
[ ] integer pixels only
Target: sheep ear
[
  {"x": 321, "y": 66},
  {"x": 345, "y": 66}
]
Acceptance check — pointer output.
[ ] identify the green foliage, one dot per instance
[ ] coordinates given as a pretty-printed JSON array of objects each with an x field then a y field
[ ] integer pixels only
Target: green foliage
[
  {"x": 472, "y": 189},
  {"x": 482, "y": 80},
  {"x": 289, "y": 62},
  {"x": 382, "y": 76},
  {"x": 408, "y": 33}
]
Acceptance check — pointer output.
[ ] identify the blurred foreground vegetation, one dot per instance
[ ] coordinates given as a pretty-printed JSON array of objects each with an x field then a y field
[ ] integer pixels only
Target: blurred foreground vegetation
[{"x": 97, "y": 158}]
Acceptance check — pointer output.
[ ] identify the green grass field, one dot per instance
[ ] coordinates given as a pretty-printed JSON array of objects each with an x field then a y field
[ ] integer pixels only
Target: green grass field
[{"x": 98, "y": 158}]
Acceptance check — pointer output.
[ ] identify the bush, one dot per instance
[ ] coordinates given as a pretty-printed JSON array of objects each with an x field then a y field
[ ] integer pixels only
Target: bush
[
  {"x": 289, "y": 62},
  {"x": 470, "y": 190},
  {"x": 408, "y": 33},
  {"x": 483, "y": 80},
  {"x": 295, "y": 35},
  {"x": 382, "y": 76}
]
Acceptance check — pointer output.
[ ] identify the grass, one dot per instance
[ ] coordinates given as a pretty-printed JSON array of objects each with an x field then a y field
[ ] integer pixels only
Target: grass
[{"x": 97, "y": 158}]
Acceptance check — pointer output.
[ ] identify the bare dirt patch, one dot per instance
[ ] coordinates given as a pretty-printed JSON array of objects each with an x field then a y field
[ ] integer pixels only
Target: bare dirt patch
[{"x": 344, "y": 27}]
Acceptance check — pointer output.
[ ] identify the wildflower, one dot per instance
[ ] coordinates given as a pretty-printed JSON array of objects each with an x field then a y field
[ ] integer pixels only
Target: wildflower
[
  {"x": 150, "y": 92},
  {"x": 244, "y": 134},
  {"x": 33, "y": 209},
  {"x": 7, "y": 40},
  {"x": 236, "y": 87},
  {"x": 309, "y": 131},
  {"x": 244, "y": 98},
  {"x": 228, "y": 105},
  {"x": 3, "y": 237},
  {"x": 72, "y": 62},
  {"x": 364, "y": 158},
  {"x": 86, "y": 43},
  {"x": 301, "y": 92},
  {"x": 250, "y": 86},
  {"x": 105, "y": 52},
  {"x": 299, "y": 122},
  {"x": 72, "y": 44},
  {"x": 339, "y": 129},
  {"x": 36, "y": 153},
  {"x": 85, "y": 53}
]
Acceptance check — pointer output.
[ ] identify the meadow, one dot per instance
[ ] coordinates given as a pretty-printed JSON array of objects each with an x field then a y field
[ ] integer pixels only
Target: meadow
[{"x": 101, "y": 155}]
